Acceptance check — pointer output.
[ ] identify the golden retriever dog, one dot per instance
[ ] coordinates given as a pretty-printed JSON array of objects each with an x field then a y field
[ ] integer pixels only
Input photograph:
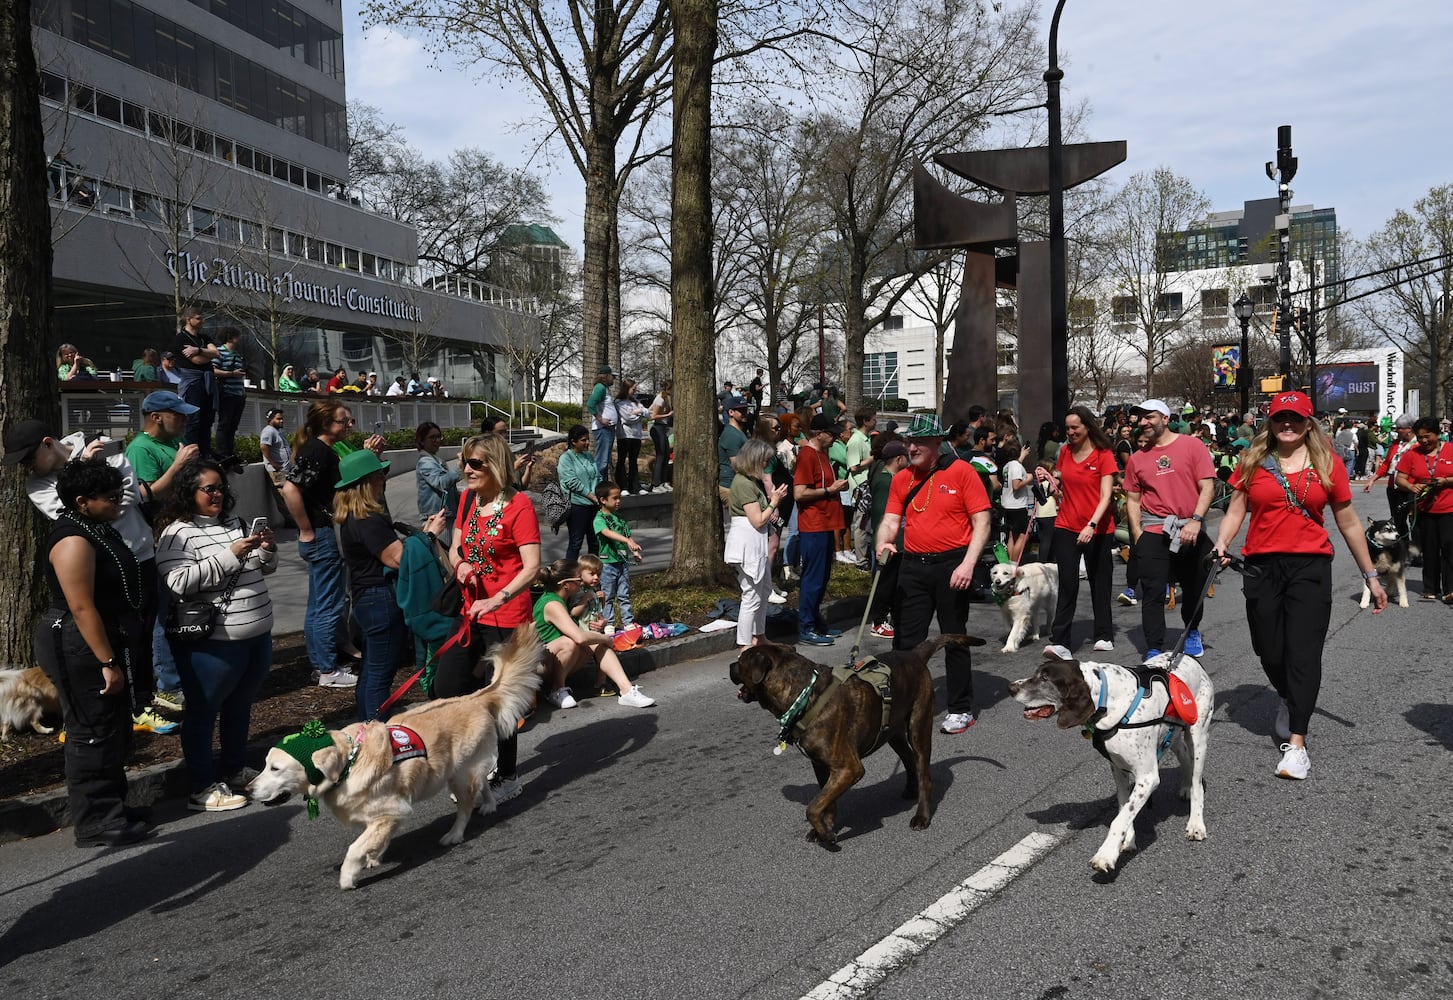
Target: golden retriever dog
[
  {"x": 362, "y": 777},
  {"x": 26, "y": 697}
]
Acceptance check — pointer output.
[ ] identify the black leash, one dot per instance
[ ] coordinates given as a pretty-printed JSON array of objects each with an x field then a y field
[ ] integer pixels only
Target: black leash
[{"x": 1213, "y": 570}]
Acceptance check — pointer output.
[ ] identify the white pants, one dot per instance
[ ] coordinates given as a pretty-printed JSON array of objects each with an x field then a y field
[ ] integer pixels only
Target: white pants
[{"x": 752, "y": 616}]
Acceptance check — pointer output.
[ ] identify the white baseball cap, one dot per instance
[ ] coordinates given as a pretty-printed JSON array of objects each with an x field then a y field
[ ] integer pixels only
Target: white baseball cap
[{"x": 1152, "y": 406}]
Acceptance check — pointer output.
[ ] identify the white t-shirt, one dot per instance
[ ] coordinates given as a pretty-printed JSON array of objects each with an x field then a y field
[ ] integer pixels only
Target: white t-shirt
[
  {"x": 1010, "y": 498},
  {"x": 274, "y": 439}
]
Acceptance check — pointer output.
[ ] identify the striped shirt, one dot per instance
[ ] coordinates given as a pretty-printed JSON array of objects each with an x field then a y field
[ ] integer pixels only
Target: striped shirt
[
  {"x": 229, "y": 360},
  {"x": 196, "y": 561}
]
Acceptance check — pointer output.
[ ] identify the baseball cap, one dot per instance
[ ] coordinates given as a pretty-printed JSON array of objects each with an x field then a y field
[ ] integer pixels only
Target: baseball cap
[
  {"x": 822, "y": 422},
  {"x": 1151, "y": 406},
  {"x": 162, "y": 401},
  {"x": 735, "y": 403},
  {"x": 274, "y": 411},
  {"x": 1293, "y": 402},
  {"x": 605, "y": 370},
  {"x": 22, "y": 439},
  {"x": 894, "y": 449}
]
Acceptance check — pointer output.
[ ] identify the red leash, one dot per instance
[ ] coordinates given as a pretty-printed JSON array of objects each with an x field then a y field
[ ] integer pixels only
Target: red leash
[{"x": 459, "y": 638}]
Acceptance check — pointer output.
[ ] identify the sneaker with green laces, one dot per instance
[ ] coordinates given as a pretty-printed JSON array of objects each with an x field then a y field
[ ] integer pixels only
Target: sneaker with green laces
[
  {"x": 169, "y": 701},
  {"x": 149, "y": 722}
]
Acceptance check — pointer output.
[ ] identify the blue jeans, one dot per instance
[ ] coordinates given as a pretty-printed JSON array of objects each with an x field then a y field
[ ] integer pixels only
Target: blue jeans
[
  {"x": 200, "y": 391},
  {"x": 615, "y": 582},
  {"x": 220, "y": 679},
  {"x": 327, "y": 599},
  {"x": 384, "y": 640},
  {"x": 816, "y": 548},
  {"x": 603, "y": 437}
]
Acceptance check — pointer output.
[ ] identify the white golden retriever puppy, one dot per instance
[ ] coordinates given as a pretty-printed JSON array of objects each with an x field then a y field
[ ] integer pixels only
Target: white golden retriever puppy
[{"x": 1026, "y": 594}]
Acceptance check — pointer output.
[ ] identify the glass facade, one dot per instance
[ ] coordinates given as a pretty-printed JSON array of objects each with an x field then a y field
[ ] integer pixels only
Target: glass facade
[
  {"x": 284, "y": 27},
  {"x": 880, "y": 375},
  {"x": 163, "y": 48}
]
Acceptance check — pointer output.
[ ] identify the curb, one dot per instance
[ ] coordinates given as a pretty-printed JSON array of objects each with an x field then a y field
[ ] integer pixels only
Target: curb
[{"x": 45, "y": 812}]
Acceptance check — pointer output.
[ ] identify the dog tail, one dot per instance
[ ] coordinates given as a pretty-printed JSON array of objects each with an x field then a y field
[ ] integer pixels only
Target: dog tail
[
  {"x": 928, "y": 647},
  {"x": 516, "y": 676}
]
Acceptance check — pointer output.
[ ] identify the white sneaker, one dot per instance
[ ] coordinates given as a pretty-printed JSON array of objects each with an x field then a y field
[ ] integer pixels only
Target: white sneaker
[
  {"x": 563, "y": 698},
  {"x": 636, "y": 698},
  {"x": 218, "y": 798},
  {"x": 1055, "y": 649},
  {"x": 1295, "y": 763},
  {"x": 625, "y": 493},
  {"x": 505, "y": 789},
  {"x": 337, "y": 679},
  {"x": 777, "y": 598},
  {"x": 851, "y": 558},
  {"x": 1283, "y": 727},
  {"x": 1103, "y": 646},
  {"x": 957, "y": 722}
]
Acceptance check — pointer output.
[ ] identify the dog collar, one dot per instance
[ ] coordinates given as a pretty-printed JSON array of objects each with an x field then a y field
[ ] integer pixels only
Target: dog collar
[{"x": 795, "y": 711}]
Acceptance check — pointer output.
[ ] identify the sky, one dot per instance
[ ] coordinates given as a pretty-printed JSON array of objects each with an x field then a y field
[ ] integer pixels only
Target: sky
[{"x": 1198, "y": 87}]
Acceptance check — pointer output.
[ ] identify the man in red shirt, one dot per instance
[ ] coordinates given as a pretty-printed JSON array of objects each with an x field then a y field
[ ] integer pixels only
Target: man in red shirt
[
  {"x": 936, "y": 524},
  {"x": 816, "y": 488},
  {"x": 1168, "y": 489}
]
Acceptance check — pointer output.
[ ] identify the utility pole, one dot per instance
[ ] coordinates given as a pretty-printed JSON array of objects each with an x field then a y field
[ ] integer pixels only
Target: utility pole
[{"x": 1282, "y": 172}]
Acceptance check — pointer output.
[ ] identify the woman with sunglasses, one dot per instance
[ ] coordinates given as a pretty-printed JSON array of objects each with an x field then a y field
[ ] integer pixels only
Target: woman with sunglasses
[
  {"x": 1286, "y": 479},
  {"x": 205, "y": 554},
  {"x": 496, "y": 556},
  {"x": 87, "y": 642},
  {"x": 1426, "y": 471}
]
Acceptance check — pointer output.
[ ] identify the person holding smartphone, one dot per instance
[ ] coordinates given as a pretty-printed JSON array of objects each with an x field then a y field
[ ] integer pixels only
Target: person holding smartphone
[{"x": 206, "y": 554}]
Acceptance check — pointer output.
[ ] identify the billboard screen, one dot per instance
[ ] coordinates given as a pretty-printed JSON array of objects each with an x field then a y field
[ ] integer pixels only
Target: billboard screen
[
  {"x": 1353, "y": 386},
  {"x": 1225, "y": 365}
]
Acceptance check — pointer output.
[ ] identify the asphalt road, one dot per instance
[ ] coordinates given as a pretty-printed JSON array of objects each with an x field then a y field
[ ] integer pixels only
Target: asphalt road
[{"x": 660, "y": 854}]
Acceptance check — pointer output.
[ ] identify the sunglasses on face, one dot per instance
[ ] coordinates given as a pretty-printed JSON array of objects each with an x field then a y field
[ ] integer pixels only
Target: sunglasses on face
[
  {"x": 1289, "y": 418},
  {"x": 212, "y": 490},
  {"x": 477, "y": 464}
]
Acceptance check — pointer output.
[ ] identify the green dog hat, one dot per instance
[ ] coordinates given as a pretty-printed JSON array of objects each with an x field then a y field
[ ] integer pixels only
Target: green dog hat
[{"x": 301, "y": 746}]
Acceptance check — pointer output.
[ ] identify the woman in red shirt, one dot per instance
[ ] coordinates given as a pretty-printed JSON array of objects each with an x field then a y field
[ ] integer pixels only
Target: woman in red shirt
[
  {"x": 1084, "y": 526},
  {"x": 1285, "y": 479},
  {"x": 1426, "y": 471},
  {"x": 496, "y": 556}
]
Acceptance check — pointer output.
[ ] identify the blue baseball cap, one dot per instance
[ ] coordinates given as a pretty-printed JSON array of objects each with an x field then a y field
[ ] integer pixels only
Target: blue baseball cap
[{"x": 162, "y": 401}]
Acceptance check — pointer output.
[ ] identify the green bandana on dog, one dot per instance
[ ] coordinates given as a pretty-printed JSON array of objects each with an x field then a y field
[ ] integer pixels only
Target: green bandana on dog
[{"x": 301, "y": 746}]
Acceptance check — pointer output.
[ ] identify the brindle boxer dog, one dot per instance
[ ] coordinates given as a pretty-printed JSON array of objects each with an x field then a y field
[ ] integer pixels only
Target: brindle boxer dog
[{"x": 846, "y": 728}]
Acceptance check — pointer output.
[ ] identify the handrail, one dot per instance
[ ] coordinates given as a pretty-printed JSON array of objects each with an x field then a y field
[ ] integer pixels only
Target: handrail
[{"x": 541, "y": 409}]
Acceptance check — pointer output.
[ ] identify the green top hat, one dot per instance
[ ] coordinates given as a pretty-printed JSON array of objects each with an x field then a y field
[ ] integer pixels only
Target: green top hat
[
  {"x": 357, "y": 466},
  {"x": 925, "y": 425}
]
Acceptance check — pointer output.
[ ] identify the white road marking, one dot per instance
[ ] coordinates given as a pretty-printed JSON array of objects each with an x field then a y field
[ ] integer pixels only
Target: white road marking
[{"x": 915, "y": 935}]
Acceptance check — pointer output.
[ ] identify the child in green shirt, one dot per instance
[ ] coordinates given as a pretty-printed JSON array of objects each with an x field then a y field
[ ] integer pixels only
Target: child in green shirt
[{"x": 617, "y": 549}]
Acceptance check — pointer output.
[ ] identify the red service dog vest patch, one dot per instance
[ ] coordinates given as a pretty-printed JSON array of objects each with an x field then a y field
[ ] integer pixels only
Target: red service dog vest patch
[
  {"x": 406, "y": 745},
  {"x": 1182, "y": 702}
]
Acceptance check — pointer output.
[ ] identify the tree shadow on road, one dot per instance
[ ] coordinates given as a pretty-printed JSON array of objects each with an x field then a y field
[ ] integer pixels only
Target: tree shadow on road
[{"x": 1435, "y": 720}]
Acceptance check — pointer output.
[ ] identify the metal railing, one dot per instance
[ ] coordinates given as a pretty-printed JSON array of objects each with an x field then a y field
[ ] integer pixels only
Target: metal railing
[{"x": 555, "y": 417}]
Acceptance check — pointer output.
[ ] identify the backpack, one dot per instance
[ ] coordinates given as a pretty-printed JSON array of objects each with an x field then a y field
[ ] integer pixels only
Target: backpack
[
  {"x": 554, "y": 503},
  {"x": 863, "y": 497}
]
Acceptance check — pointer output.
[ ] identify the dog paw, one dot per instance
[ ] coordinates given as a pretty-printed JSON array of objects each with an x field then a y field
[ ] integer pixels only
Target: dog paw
[
  {"x": 828, "y": 840},
  {"x": 1195, "y": 830},
  {"x": 451, "y": 838},
  {"x": 919, "y": 822},
  {"x": 347, "y": 881},
  {"x": 1103, "y": 862},
  {"x": 1009, "y": 649}
]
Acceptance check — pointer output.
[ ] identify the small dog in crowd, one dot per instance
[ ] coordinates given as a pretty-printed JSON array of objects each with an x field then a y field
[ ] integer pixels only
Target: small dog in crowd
[
  {"x": 371, "y": 774},
  {"x": 1074, "y": 691},
  {"x": 1025, "y": 595},
  {"x": 1389, "y": 551},
  {"x": 26, "y": 697},
  {"x": 849, "y": 723}
]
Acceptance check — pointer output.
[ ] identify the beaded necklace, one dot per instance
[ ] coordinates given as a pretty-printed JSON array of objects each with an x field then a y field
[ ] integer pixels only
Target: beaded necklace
[
  {"x": 1308, "y": 474},
  {"x": 108, "y": 538},
  {"x": 479, "y": 548}
]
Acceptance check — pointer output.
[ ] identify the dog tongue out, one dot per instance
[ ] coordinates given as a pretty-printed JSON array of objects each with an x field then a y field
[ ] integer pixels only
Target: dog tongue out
[{"x": 1042, "y": 712}]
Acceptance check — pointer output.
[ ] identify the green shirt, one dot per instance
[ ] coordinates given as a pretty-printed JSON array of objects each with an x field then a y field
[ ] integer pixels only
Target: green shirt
[
  {"x": 858, "y": 450},
  {"x": 745, "y": 490},
  {"x": 143, "y": 372},
  {"x": 612, "y": 551},
  {"x": 546, "y": 629},
  {"x": 151, "y": 458},
  {"x": 596, "y": 402},
  {"x": 728, "y": 443}
]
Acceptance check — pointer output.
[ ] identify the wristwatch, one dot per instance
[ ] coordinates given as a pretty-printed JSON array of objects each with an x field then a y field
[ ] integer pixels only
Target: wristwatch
[
  {"x": 1092, "y": 524},
  {"x": 505, "y": 593},
  {"x": 1370, "y": 575},
  {"x": 1197, "y": 518}
]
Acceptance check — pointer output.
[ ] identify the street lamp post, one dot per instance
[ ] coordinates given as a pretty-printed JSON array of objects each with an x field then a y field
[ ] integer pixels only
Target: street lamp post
[
  {"x": 1059, "y": 338},
  {"x": 1244, "y": 309}
]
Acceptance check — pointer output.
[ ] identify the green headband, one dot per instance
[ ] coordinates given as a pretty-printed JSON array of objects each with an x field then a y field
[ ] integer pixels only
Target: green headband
[{"x": 301, "y": 746}]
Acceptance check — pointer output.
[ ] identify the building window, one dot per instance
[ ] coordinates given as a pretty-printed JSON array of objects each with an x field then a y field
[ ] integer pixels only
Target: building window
[
  {"x": 893, "y": 321},
  {"x": 1168, "y": 306},
  {"x": 1123, "y": 309},
  {"x": 1007, "y": 356},
  {"x": 880, "y": 375}
]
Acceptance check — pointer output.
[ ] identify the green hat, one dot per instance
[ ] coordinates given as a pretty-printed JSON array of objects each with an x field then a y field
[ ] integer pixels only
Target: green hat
[
  {"x": 357, "y": 466},
  {"x": 925, "y": 425}
]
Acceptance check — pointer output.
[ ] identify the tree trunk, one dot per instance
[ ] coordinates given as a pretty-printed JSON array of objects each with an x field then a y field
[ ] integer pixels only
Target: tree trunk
[
  {"x": 28, "y": 387},
  {"x": 600, "y": 239},
  {"x": 696, "y": 554}
]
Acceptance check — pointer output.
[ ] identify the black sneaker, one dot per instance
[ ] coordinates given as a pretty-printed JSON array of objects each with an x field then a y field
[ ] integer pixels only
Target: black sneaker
[{"x": 815, "y": 639}]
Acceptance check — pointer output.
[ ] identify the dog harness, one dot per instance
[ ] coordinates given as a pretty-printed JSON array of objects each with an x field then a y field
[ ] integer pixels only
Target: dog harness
[
  {"x": 1181, "y": 709},
  {"x": 810, "y": 702}
]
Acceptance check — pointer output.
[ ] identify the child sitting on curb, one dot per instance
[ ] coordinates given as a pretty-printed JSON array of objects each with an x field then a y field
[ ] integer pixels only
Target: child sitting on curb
[{"x": 567, "y": 645}]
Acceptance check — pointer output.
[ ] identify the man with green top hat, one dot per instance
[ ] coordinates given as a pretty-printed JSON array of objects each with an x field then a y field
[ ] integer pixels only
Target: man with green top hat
[{"x": 937, "y": 524}]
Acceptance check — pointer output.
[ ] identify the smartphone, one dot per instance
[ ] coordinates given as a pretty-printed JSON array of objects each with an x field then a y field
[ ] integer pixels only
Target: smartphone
[
  {"x": 258, "y": 523},
  {"x": 530, "y": 448},
  {"x": 378, "y": 427}
]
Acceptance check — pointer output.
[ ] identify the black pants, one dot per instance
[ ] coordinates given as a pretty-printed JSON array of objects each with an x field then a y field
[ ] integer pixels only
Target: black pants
[
  {"x": 923, "y": 590},
  {"x": 887, "y": 590},
  {"x": 198, "y": 392},
  {"x": 454, "y": 676},
  {"x": 1046, "y": 538},
  {"x": 1435, "y": 534},
  {"x": 229, "y": 415},
  {"x": 98, "y": 727},
  {"x": 1289, "y": 607},
  {"x": 1400, "y": 508},
  {"x": 1158, "y": 565},
  {"x": 661, "y": 465},
  {"x": 628, "y": 468},
  {"x": 582, "y": 530},
  {"x": 1067, "y": 551}
]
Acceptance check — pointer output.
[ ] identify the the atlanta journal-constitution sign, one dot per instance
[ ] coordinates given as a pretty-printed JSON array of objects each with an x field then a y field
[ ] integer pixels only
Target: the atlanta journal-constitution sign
[{"x": 224, "y": 273}]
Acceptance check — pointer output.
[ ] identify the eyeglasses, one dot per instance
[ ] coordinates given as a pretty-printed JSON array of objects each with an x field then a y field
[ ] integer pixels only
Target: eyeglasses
[
  {"x": 212, "y": 490},
  {"x": 345, "y": 421},
  {"x": 1287, "y": 417},
  {"x": 477, "y": 464}
]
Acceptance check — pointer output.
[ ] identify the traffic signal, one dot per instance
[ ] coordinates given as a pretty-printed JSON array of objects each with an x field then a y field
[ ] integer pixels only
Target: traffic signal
[{"x": 1273, "y": 383}]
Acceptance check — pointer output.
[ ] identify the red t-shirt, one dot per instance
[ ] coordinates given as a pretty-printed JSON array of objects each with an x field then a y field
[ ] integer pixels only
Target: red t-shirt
[
  {"x": 1421, "y": 468},
  {"x": 1079, "y": 490},
  {"x": 815, "y": 471},
  {"x": 940, "y": 518},
  {"x": 1278, "y": 525},
  {"x": 1169, "y": 478},
  {"x": 518, "y": 526}
]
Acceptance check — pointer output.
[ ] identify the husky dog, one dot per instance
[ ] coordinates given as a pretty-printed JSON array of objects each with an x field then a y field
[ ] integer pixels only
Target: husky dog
[{"x": 1389, "y": 551}]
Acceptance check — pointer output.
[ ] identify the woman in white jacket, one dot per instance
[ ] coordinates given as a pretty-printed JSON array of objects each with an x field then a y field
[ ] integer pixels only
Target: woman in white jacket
[
  {"x": 630, "y": 417},
  {"x": 204, "y": 554},
  {"x": 753, "y": 504}
]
